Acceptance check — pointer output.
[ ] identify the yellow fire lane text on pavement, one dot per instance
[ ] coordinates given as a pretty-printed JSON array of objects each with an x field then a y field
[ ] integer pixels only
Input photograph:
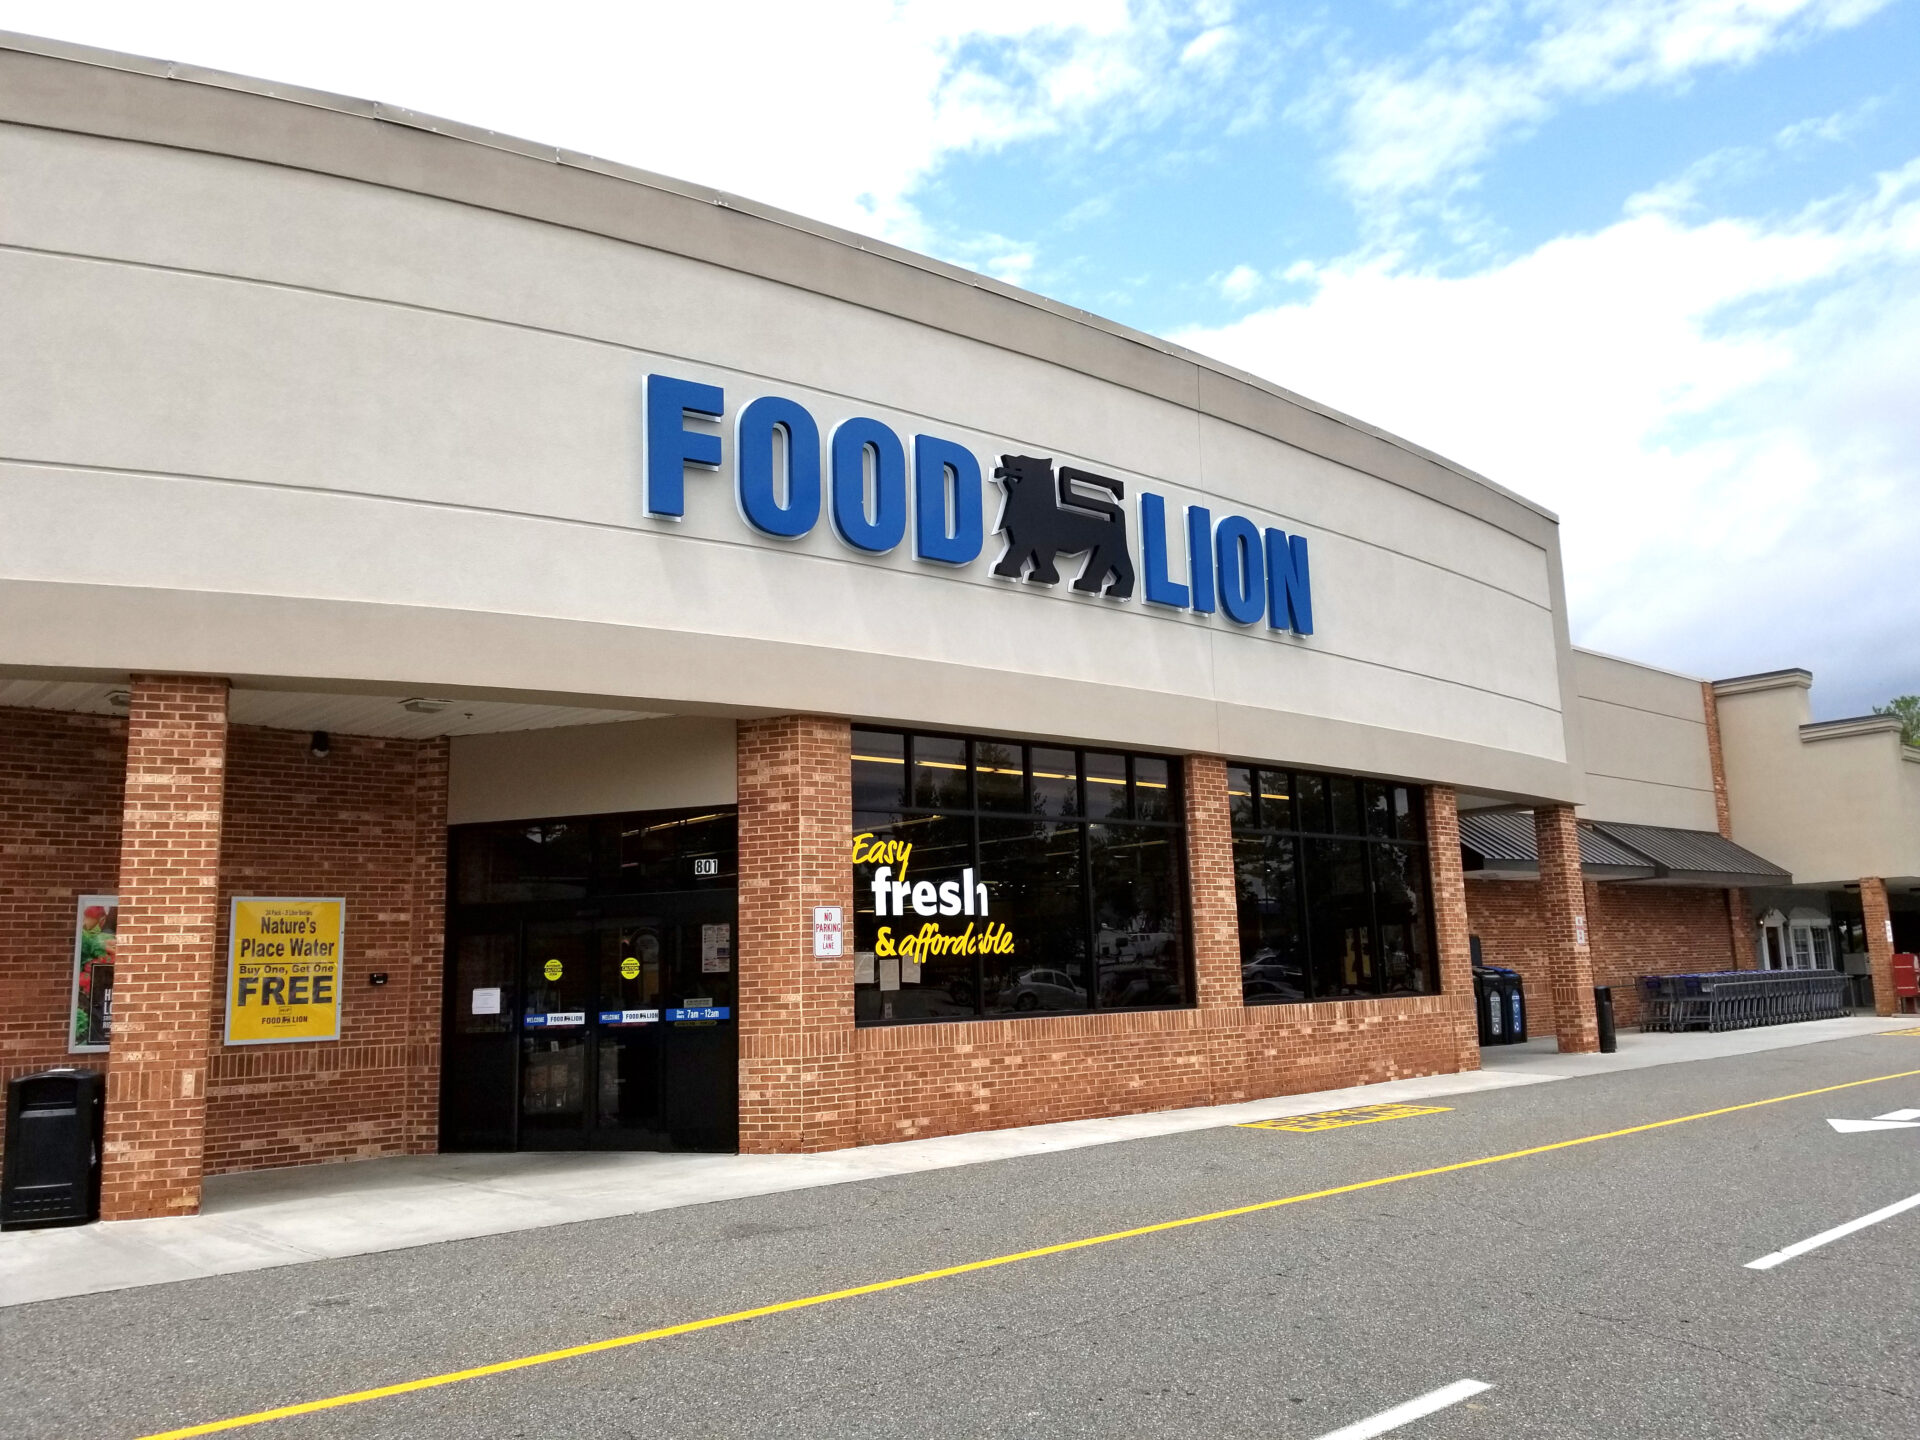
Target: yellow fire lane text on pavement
[{"x": 1340, "y": 1119}]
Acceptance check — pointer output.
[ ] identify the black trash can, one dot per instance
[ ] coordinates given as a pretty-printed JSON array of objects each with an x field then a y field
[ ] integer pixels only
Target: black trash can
[
  {"x": 1516, "y": 996},
  {"x": 1489, "y": 1004},
  {"x": 51, "y": 1173},
  {"x": 1603, "y": 1016}
]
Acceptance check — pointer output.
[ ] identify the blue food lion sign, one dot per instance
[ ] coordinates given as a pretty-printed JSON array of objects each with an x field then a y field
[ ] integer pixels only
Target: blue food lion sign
[{"x": 785, "y": 476}]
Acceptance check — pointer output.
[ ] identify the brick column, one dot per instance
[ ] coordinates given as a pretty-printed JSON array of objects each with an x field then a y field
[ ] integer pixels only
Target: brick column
[
  {"x": 1716, "y": 760},
  {"x": 1563, "y": 915},
  {"x": 1879, "y": 921},
  {"x": 797, "y": 1068},
  {"x": 1451, "y": 928},
  {"x": 426, "y": 969},
  {"x": 1740, "y": 928},
  {"x": 164, "y": 970},
  {"x": 1216, "y": 922}
]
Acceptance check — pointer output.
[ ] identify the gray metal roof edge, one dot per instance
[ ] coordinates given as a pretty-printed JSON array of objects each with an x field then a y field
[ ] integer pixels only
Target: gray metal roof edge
[
  {"x": 1765, "y": 680},
  {"x": 457, "y": 130}
]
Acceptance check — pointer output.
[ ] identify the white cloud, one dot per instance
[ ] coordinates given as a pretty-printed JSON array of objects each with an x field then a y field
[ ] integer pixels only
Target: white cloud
[
  {"x": 1239, "y": 284},
  {"x": 1721, "y": 412},
  {"x": 1419, "y": 125},
  {"x": 840, "y": 112}
]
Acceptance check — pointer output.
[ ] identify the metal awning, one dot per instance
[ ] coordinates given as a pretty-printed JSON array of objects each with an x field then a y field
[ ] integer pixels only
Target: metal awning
[
  {"x": 1694, "y": 857},
  {"x": 1500, "y": 843}
]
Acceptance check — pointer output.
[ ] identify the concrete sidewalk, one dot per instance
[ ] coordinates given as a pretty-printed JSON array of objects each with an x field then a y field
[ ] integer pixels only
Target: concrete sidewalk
[{"x": 261, "y": 1219}]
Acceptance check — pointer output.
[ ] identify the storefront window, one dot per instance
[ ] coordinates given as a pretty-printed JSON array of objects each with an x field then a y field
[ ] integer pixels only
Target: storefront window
[
  {"x": 1015, "y": 879},
  {"x": 1331, "y": 877},
  {"x": 588, "y": 856}
]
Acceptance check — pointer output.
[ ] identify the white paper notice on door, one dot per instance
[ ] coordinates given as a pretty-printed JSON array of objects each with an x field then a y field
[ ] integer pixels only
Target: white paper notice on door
[
  {"x": 486, "y": 1000},
  {"x": 716, "y": 949}
]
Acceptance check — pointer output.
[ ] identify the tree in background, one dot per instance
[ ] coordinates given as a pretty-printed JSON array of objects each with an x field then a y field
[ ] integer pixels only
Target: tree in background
[{"x": 1907, "y": 707}]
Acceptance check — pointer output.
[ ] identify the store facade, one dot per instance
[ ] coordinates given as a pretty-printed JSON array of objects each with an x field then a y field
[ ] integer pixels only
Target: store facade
[{"x": 560, "y": 658}]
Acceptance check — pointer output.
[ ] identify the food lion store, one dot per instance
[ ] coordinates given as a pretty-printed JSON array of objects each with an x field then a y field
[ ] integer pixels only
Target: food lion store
[{"x": 504, "y": 651}]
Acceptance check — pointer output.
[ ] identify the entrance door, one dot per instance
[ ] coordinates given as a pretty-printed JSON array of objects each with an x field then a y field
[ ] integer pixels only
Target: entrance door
[
  {"x": 559, "y": 966},
  {"x": 611, "y": 1032}
]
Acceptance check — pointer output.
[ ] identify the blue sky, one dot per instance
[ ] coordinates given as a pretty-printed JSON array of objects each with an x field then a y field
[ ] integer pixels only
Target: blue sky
[{"x": 1654, "y": 263}]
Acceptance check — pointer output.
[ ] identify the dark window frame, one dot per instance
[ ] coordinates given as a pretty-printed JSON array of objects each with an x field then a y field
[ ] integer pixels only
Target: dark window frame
[
  {"x": 1363, "y": 834},
  {"x": 1079, "y": 816}
]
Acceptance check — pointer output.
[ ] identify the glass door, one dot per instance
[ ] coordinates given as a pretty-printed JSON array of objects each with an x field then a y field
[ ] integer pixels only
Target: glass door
[
  {"x": 635, "y": 957},
  {"x": 607, "y": 1031},
  {"x": 559, "y": 979}
]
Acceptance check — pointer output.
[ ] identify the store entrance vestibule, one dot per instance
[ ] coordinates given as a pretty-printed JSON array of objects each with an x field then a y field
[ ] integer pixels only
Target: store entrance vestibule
[{"x": 587, "y": 1007}]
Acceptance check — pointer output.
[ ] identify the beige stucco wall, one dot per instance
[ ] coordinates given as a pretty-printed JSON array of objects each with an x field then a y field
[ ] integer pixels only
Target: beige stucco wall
[
  {"x": 272, "y": 409},
  {"x": 1831, "y": 809},
  {"x": 592, "y": 770},
  {"x": 1644, "y": 744}
]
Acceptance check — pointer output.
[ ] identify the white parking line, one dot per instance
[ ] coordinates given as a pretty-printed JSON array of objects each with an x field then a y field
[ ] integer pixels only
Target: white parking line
[
  {"x": 1827, "y": 1237},
  {"x": 1404, "y": 1414}
]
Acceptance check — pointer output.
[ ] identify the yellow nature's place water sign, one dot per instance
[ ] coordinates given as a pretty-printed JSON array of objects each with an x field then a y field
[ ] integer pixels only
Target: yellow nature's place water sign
[{"x": 283, "y": 970}]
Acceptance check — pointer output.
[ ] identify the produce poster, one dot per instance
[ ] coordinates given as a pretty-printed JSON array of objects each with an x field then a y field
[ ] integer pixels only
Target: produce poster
[
  {"x": 284, "y": 971},
  {"x": 94, "y": 939}
]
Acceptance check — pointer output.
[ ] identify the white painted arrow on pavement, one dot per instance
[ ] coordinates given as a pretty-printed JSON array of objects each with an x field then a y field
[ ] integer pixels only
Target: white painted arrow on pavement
[{"x": 1892, "y": 1120}]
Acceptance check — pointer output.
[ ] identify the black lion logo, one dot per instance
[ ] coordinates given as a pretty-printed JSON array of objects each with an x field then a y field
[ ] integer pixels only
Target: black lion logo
[{"x": 1044, "y": 518}]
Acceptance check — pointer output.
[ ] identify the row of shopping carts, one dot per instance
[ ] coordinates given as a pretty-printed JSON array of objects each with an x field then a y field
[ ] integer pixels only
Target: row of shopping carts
[{"x": 1740, "y": 999}]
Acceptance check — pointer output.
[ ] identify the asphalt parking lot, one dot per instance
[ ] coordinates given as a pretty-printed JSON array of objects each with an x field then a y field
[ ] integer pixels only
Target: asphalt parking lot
[{"x": 1596, "y": 1289}]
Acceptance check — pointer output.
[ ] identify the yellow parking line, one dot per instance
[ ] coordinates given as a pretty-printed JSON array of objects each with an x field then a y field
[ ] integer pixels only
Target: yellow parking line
[{"x": 619, "y": 1342}]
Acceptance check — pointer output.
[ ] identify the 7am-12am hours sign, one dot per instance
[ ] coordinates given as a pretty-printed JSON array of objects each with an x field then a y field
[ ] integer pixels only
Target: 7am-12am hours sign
[{"x": 283, "y": 971}]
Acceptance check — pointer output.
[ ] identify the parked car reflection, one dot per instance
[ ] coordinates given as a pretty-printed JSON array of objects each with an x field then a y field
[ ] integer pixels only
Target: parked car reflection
[
  {"x": 1043, "y": 989},
  {"x": 1269, "y": 975}
]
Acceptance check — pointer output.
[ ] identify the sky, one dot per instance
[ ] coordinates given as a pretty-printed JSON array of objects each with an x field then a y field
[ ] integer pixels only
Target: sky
[{"x": 1654, "y": 264}]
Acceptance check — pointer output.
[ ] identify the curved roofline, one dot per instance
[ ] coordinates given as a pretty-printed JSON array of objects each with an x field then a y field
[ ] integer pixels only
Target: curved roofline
[{"x": 450, "y": 130}]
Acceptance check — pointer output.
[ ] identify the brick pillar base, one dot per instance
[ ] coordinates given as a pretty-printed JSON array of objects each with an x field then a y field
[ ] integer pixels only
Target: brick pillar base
[
  {"x": 1879, "y": 921},
  {"x": 797, "y": 1068},
  {"x": 164, "y": 966},
  {"x": 1451, "y": 928},
  {"x": 1216, "y": 923},
  {"x": 1563, "y": 914}
]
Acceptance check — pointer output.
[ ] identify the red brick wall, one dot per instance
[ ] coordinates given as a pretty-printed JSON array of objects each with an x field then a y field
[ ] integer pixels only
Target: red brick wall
[
  {"x": 811, "y": 1080},
  {"x": 427, "y": 957},
  {"x": 917, "y": 1080},
  {"x": 60, "y": 784},
  {"x": 163, "y": 972},
  {"x": 1567, "y": 940},
  {"x": 1210, "y": 884},
  {"x": 1451, "y": 929},
  {"x": 797, "y": 1085},
  {"x": 1635, "y": 930},
  {"x": 1874, "y": 911},
  {"x": 368, "y": 824}
]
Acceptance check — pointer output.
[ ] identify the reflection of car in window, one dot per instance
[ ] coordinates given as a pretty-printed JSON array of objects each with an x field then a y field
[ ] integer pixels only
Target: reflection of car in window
[
  {"x": 1271, "y": 976},
  {"x": 1045, "y": 990},
  {"x": 1136, "y": 983},
  {"x": 1138, "y": 944}
]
